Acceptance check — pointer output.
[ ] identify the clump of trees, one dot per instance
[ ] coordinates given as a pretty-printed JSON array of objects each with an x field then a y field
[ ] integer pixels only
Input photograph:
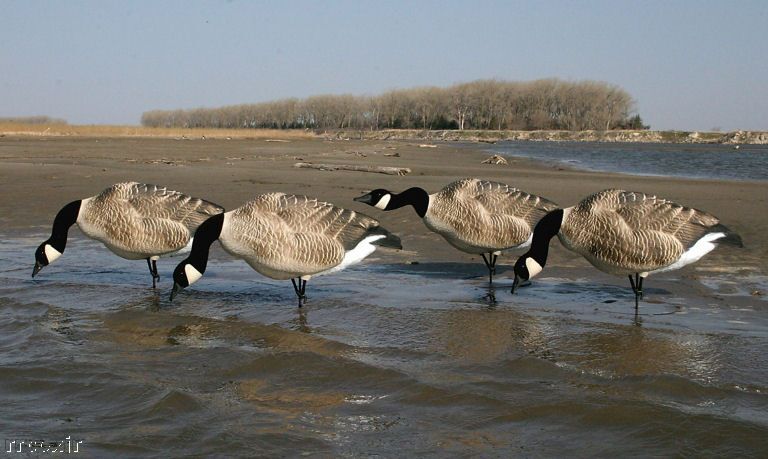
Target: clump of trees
[
  {"x": 482, "y": 104},
  {"x": 634, "y": 122},
  {"x": 32, "y": 120}
]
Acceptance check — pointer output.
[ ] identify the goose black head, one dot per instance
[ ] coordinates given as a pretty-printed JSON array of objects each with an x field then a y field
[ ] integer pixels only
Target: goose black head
[
  {"x": 45, "y": 254},
  {"x": 184, "y": 275},
  {"x": 532, "y": 262},
  {"x": 50, "y": 250},
  {"x": 526, "y": 267},
  {"x": 378, "y": 198},
  {"x": 385, "y": 200},
  {"x": 192, "y": 268}
]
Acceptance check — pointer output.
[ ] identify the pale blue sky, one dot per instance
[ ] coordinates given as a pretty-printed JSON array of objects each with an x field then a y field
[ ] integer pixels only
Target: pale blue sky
[{"x": 689, "y": 64}]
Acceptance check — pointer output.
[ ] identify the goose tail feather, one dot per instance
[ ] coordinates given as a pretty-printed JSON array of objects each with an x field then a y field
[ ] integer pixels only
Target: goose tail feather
[
  {"x": 389, "y": 240},
  {"x": 730, "y": 237}
]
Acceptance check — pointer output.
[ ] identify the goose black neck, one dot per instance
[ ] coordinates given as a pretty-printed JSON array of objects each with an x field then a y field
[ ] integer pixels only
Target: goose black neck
[
  {"x": 543, "y": 233},
  {"x": 416, "y": 197},
  {"x": 66, "y": 217},
  {"x": 206, "y": 233}
]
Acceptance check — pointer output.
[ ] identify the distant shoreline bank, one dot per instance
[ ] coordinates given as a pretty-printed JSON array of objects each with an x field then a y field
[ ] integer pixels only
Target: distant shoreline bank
[{"x": 629, "y": 136}]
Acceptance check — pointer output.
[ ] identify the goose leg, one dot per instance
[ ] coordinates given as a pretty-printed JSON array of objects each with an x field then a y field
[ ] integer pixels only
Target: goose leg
[
  {"x": 155, "y": 275},
  {"x": 296, "y": 289},
  {"x": 491, "y": 265},
  {"x": 152, "y": 265},
  {"x": 637, "y": 302},
  {"x": 637, "y": 288},
  {"x": 300, "y": 287}
]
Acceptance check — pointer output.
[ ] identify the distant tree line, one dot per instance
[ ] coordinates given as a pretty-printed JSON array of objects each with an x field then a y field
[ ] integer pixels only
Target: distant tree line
[
  {"x": 32, "y": 120},
  {"x": 482, "y": 104}
]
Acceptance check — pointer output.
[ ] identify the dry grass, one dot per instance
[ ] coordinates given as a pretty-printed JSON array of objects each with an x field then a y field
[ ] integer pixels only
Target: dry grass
[{"x": 19, "y": 129}]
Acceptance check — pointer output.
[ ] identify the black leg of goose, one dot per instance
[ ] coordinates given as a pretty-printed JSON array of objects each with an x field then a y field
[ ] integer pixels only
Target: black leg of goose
[
  {"x": 297, "y": 289},
  {"x": 300, "y": 287},
  {"x": 637, "y": 289},
  {"x": 155, "y": 275},
  {"x": 637, "y": 302},
  {"x": 491, "y": 265},
  {"x": 151, "y": 273}
]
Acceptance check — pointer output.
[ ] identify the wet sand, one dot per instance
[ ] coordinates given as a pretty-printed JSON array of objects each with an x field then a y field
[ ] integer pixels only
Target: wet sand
[{"x": 388, "y": 356}]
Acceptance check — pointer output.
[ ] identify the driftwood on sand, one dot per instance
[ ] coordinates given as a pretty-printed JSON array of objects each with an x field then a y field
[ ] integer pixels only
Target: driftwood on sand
[
  {"x": 495, "y": 159},
  {"x": 350, "y": 167}
]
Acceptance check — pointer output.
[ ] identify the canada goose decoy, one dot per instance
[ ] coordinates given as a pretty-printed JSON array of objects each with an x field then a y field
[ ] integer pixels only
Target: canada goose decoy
[
  {"x": 286, "y": 237},
  {"x": 134, "y": 220},
  {"x": 475, "y": 216},
  {"x": 624, "y": 233}
]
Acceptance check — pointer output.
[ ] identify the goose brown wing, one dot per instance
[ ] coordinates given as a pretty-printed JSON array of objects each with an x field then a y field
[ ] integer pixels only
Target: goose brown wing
[
  {"x": 301, "y": 216},
  {"x": 490, "y": 214},
  {"x": 646, "y": 213},
  {"x": 499, "y": 198},
  {"x": 144, "y": 219},
  {"x": 153, "y": 202},
  {"x": 297, "y": 231}
]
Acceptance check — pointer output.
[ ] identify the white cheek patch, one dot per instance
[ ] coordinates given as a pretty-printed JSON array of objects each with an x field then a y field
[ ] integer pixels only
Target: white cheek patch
[
  {"x": 534, "y": 268},
  {"x": 51, "y": 254},
  {"x": 382, "y": 204},
  {"x": 192, "y": 274}
]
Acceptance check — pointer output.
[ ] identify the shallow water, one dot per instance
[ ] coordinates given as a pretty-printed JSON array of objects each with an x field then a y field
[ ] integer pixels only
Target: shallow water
[
  {"x": 386, "y": 359},
  {"x": 749, "y": 162}
]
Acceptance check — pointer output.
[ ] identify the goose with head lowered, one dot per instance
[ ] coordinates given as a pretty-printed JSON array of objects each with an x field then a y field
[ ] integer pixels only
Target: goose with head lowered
[
  {"x": 285, "y": 237},
  {"x": 475, "y": 216},
  {"x": 627, "y": 233},
  {"x": 134, "y": 220}
]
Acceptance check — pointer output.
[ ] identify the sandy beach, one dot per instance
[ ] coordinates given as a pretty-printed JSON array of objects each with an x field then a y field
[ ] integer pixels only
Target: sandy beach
[{"x": 420, "y": 358}]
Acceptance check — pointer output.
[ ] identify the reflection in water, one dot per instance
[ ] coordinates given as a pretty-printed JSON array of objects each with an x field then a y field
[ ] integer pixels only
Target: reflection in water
[
  {"x": 286, "y": 401},
  {"x": 488, "y": 335},
  {"x": 620, "y": 351},
  {"x": 490, "y": 297},
  {"x": 153, "y": 302},
  {"x": 299, "y": 323}
]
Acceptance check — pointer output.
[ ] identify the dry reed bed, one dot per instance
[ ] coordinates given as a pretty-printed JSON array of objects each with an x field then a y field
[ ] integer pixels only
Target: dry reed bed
[{"x": 18, "y": 129}]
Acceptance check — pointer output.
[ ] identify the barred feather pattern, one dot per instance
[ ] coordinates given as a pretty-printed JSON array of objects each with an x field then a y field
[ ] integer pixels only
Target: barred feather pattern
[
  {"x": 285, "y": 236},
  {"x": 479, "y": 216},
  {"x": 137, "y": 220},
  {"x": 623, "y": 232}
]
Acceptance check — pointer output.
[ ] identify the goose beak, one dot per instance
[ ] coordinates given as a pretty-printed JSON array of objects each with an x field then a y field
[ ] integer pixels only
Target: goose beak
[
  {"x": 176, "y": 289},
  {"x": 515, "y": 284},
  {"x": 36, "y": 269},
  {"x": 366, "y": 198}
]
